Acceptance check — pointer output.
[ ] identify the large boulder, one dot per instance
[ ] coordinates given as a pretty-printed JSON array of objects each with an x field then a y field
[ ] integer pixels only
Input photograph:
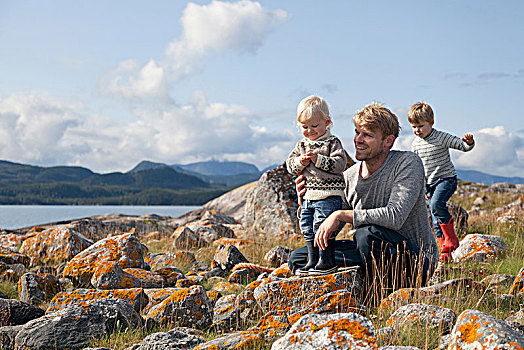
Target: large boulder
[
  {"x": 77, "y": 325},
  {"x": 54, "y": 245},
  {"x": 124, "y": 249},
  {"x": 272, "y": 207},
  {"x": 14, "y": 312}
]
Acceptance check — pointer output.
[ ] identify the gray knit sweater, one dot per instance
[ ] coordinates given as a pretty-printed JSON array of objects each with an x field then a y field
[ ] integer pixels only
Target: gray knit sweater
[
  {"x": 393, "y": 197},
  {"x": 324, "y": 178},
  {"x": 434, "y": 152}
]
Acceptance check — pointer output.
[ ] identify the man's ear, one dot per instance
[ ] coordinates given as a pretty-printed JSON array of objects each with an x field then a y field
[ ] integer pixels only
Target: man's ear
[{"x": 389, "y": 141}]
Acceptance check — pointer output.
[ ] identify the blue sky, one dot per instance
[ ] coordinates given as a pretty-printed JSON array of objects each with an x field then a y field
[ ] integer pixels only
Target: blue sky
[{"x": 106, "y": 84}]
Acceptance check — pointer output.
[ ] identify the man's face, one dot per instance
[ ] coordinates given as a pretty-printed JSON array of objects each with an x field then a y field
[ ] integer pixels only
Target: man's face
[{"x": 369, "y": 144}]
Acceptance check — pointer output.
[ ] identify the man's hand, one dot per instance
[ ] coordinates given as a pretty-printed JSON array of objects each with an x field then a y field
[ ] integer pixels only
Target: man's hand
[
  {"x": 301, "y": 188},
  {"x": 330, "y": 225},
  {"x": 468, "y": 138}
]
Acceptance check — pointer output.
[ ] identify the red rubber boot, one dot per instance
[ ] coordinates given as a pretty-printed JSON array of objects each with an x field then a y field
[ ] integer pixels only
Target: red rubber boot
[{"x": 451, "y": 241}]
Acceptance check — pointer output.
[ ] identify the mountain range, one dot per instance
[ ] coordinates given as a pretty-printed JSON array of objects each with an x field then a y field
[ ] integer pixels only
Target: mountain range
[{"x": 148, "y": 183}]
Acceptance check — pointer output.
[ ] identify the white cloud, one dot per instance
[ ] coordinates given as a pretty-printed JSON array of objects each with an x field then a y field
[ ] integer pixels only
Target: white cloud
[
  {"x": 42, "y": 131},
  {"x": 496, "y": 151},
  {"x": 206, "y": 29}
]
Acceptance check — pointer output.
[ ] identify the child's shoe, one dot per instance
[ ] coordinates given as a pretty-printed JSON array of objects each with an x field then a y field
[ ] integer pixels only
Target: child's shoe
[
  {"x": 326, "y": 263},
  {"x": 312, "y": 259}
]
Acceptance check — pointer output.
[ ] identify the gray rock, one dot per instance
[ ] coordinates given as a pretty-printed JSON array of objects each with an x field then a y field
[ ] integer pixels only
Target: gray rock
[
  {"x": 187, "y": 307},
  {"x": 225, "y": 314},
  {"x": 8, "y": 335},
  {"x": 75, "y": 326},
  {"x": 335, "y": 331},
  {"x": 478, "y": 247},
  {"x": 176, "y": 339},
  {"x": 277, "y": 256},
  {"x": 430, "y": 315},
  {"x": 227, "y": 256},
  {"x": 14, "y": 312},
  {"x": 484, "y": 331},
  {"x": 273, "y": 204},
  {"x": 38, "y": 288}
]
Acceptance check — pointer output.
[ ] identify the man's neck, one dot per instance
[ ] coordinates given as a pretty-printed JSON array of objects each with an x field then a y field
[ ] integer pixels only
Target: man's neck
[{"x": 369, "y": 166}]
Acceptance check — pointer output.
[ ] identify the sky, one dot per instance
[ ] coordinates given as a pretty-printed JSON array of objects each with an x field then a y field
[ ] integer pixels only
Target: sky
[{"x": 107, "y": 84}]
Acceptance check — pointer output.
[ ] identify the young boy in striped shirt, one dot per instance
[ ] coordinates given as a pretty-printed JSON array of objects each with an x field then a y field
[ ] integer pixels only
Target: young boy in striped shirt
[{"x": 432, "y": 146}]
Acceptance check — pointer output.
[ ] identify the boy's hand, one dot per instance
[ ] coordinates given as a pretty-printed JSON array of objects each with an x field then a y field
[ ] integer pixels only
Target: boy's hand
[
  {"x": 312, "y": 156},
  {"x": 304, "y": 160},
  {"x": 468, "y": 138}
]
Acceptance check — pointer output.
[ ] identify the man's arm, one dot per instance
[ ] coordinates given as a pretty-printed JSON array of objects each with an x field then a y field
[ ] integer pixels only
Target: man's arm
[{"x": 330, "y": 225}]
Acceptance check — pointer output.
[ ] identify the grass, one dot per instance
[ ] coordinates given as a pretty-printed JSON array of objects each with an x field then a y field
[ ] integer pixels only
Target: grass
[{"x": 419, "y": 335}]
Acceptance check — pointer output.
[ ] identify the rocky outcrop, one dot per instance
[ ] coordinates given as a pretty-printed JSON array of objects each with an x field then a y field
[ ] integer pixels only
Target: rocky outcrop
[{"x": 271, "y": 209}]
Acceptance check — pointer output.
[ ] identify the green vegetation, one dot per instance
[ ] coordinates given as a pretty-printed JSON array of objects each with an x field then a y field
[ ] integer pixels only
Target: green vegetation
[{"x": 24, "y": 184}]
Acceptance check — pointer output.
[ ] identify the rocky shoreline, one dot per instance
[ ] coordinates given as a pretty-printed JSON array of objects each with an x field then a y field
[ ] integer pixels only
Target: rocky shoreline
[{"x": 84, "y": 279}]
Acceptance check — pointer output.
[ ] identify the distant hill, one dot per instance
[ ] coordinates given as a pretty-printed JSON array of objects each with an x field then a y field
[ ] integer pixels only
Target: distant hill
[
  {"x": 26, "y": 184},
  {"x": 487, "y": 179},
  {"x": 213, "y": 172}
]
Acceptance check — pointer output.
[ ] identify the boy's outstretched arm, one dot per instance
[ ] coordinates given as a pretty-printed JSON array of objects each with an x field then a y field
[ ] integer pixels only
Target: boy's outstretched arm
[{"x": 468, "y": 138}]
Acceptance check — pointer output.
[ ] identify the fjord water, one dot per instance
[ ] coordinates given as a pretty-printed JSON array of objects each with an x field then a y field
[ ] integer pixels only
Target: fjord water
[{"x": 19, "y": 216}]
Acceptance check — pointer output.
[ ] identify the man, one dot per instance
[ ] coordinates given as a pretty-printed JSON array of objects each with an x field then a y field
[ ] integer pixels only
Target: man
[{"x": 387, "y": 207}]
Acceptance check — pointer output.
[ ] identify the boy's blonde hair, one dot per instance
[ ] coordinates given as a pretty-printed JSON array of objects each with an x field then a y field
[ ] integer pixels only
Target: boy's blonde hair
[
  {"x": 377, "y": 117},
  {"x": 420, "y": 112},
  {"x": 311, "y": 107}
]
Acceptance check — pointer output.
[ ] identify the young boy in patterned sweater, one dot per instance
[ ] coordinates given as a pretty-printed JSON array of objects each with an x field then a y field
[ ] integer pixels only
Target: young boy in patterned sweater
[
  {"x": 432, "y": 146},
  {"x": 321, "y": 159}
]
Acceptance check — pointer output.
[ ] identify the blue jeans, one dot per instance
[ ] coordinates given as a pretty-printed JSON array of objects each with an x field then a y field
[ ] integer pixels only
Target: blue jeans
[
  {"x": 315, "y": 212},
  {"x": 438, "y": 194}
]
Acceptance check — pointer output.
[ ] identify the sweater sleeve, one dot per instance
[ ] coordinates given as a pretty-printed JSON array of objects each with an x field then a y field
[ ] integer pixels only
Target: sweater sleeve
[
  {"x": 406, "y": 185},
  {"x": 335, "y": 162},
  {"x": 293, "y": 164},
  {"x": 452, "y": 141}
]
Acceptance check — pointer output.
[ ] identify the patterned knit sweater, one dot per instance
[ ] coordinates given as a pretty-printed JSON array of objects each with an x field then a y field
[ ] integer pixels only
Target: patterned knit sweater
[
  {"x": 324, "y": 178},
  {"x": 434, "y": 152}
]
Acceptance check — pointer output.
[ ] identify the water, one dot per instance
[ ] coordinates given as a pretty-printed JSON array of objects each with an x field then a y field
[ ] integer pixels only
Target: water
[{"x": 18, "y": 216}]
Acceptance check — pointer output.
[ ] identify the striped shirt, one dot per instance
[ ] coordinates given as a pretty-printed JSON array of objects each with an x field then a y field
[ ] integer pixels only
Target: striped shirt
[{"x": 434, "y": 152}]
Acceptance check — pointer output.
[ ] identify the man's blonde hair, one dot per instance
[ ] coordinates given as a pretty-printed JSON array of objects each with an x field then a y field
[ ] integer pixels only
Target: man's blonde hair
[
  {"x": 420, "y": 112},
  {"x": 311, "y": 107},
  {"x": 377, "y": 117}
]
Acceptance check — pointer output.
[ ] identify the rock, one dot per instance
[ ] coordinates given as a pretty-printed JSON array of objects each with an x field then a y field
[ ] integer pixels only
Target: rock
[
  {"x": 35, "y": 288},
  {"x": 14, "y": 312},
  {"x": 296, "y": 294},
  {"x": 227, "y": 256},
  {"x": 187, "y": 307},
  {"x": 243, "y": 276},
  {"x": 517, "y": 317},
  {"x": 277, "y": 256},
  {"x": 135, "y": 297},
  {"x": 336, "y": 331},
  {"x": 231, "y": 203},
  {"x": 112, "y": 276},
  {"x": 478, "y": 247},
  {"x": 406, "y": 296},
  {"x": 434, "y": 317},
  {"x": 228, "y": 288},
  {"x": 54, "y": 245},
  {"x": 124, "y": 249},
  {"x": 11, "y": 240},
  {"x": 271, "y": 208},
  {"x": 225, "y": 314},
  {"x": 171, "y": 275},
  {"x": 249, "y": 339},
  {"x": 8, "y": 335},
  {"x": 518, "y": 283},
  {"x": 199, "y": 234},
  {"x": 10, "y": 256},
  {"x": 498, "y": 282},
  {"x": 175, "y": 339},
  {"x": 74, "y": 327},
  {"x": 179, "y": 259},
  {"x": 477, "y": 330}
]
